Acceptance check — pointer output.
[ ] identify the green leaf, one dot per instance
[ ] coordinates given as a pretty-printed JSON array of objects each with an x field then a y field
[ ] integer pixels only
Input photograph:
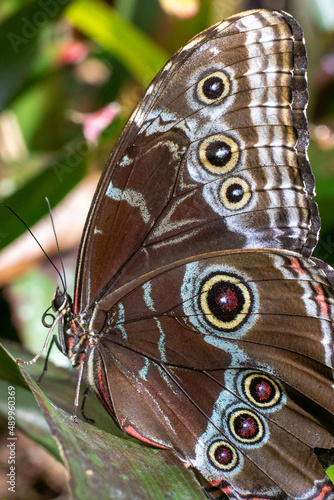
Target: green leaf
[
  {"x": 330, "y": 473},
  {"x": 59, "y": 385},
  {"x": 102, "y": 464},
  {"x": 9, "y": 369},
  {"x": 28, "y": 416},
  {"x": 142, "y": 57}
]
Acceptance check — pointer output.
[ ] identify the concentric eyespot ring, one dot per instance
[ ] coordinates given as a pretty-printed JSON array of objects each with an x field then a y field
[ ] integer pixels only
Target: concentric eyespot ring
[
  {"x": 261, "y": 390},
  {"x": 225, "y": 301},
  {"x": 214, "y": 87},
  {"x": 219, "y": 154},
  {"x": 235, "y": 193},
  {"x": 223, "y": 456},
  {"x": 246, "y": 427}
]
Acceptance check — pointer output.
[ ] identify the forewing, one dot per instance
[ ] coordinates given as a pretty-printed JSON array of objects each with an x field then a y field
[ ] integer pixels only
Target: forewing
[{"x": 213, "y": 158}]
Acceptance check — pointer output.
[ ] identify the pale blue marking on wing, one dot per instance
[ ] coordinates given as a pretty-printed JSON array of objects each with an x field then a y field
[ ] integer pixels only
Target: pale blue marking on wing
[
  {"x": 132, "y": 197},
  {"x": 144, "y": 370},
  {"x": 147, "y": 287},
  {"x": 121, "y": 319},
  {"x": 161, "y": 343}
]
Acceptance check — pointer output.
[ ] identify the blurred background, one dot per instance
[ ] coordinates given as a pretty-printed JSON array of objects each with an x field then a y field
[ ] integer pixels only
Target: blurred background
[{"x": 71, "y": 71}]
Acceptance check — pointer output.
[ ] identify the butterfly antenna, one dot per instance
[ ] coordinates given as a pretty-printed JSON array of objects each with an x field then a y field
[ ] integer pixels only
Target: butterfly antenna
[
  {"x": 57, "y": 243},
  {"x": 63, "y": 280}
]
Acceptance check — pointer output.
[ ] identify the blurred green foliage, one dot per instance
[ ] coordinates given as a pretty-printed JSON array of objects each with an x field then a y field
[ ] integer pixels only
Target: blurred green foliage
[{"x": 120, "y": 47}]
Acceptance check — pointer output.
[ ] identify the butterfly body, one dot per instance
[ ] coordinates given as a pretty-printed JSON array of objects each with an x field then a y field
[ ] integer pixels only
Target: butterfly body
[{"x": 199, "y": 318}]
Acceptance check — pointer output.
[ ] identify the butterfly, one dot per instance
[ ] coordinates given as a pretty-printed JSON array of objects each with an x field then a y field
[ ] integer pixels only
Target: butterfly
[{"x": 199, "y": 318}]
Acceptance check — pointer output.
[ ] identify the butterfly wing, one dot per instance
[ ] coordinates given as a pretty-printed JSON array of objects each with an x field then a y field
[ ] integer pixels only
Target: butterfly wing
[
  {"x": 213, "y": 158},
  {"x": 200, "y": 340},
  {"x": 234, "y": 372}
]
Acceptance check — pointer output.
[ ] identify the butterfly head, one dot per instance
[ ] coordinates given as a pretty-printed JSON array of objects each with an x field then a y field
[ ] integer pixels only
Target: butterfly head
[
  {"x": 61, "y": 302},
  {"x": 72, "y": 336}
]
